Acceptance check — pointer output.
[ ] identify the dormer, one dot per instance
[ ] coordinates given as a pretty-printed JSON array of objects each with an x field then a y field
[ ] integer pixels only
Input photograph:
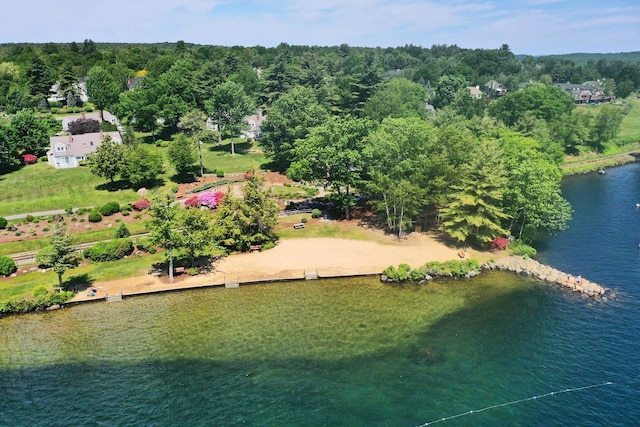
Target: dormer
[{"x": 60, "y": 147}]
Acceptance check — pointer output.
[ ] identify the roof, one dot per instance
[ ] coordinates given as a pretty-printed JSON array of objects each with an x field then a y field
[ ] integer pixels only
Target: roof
[
  {"x": 95, "y": 115},
  {"x": 81, "y": 145}
]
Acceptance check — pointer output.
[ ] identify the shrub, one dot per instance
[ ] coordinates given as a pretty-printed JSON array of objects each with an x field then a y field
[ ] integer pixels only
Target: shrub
[
  {"x": 88, "y": 108},
  {"x": 122, "y": 231},
  {"x": 3, "y": 223},
  {"x": 109, "y": 251},
  {"x": 29, "y": 159},
  {"x": 499, "y": 243},
  {"x": 316, "y": 213},
  {"x": 54, "y": 110},
  {"x": 452, "y": 268},
  {"x": 95, "y": 216},
  {"x": 519, "y": 248},
  {"x": 110, "y": 208},
  {"x": 68, "y": 209},
  {"x": 141, "y": 205},
  {"x": 220, "y": 173},
  {"x": 210, "y": 199},
  {"x": 28, "y": 219},
  {"x": 144, "y": 244},
  {"x": 399, "y": 274},
  {"x": 7, "y": 266},
  {"x": 304, "y": 220},
  {"x": 82, "y": 211},
  {"x": 108, "y": 127},
  {"x": 268, "y": 245},
  {"x": 83, "y": 125},
  {"x": 12, "y": 227},
  {"x": 39, "y": 291},
  {"x": 192, "y": 202}
]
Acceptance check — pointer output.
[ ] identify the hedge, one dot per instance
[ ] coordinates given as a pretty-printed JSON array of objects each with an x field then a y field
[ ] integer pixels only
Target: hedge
[{"x": 111, "y": 250}]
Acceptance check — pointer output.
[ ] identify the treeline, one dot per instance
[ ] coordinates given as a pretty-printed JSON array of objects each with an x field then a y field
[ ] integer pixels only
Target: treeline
[{"x": 354, "y": 119}]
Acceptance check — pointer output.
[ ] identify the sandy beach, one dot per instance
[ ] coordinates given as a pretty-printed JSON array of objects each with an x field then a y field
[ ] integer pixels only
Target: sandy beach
[{"x": 292, "y": 257}]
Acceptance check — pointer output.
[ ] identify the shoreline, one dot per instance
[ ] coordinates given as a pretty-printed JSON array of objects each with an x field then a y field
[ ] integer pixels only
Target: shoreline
[{"x": 319, "y": 258}]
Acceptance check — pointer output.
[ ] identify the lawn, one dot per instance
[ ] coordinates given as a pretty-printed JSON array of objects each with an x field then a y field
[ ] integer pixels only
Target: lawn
[
  {"x": 322, "y": 228},
  {"x": 216, "y": 157},
  {"x": 41, "y": 187},
  {"x": 95, "y": 272}
]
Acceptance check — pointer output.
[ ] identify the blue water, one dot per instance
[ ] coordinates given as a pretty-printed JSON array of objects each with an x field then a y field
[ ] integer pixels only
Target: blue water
[{"x": 354, "y": 352}]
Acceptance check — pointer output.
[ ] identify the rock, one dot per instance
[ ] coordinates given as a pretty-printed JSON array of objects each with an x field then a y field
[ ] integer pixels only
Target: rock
[
  {"x": 383, "y": 277},
  {"x": 53, "y": 307},
  {"x": 428, "y": 278},
  {"x": 13, "y": 275},
  {"x": 142, "y": 192},
  {"x": 472, "y": 273}
]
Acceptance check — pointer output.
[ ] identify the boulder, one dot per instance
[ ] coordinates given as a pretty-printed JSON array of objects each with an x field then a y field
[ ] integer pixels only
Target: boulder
[{"x": 142, "y": 192}]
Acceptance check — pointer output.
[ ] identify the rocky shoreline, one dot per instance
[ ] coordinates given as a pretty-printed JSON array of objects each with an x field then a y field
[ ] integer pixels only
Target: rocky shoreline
[{"x": 532, "y": 268}]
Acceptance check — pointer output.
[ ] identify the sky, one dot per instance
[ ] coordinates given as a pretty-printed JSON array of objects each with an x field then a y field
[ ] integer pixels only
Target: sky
[{"x": 533, "y": 27}]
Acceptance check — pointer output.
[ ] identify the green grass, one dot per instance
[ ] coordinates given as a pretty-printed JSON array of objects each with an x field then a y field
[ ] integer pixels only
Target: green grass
[
  {"x": 78, "y": 238},
  {"x": 630, "y": 126},
  {"x": 334, "y": 229},
  {"x": 41, "y": 187},
  {"x": 136, "y": 266},
  {"x": 216, "y": 157}
]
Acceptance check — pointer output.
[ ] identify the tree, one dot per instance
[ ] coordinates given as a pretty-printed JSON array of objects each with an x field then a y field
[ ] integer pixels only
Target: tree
[
  {"x": 446, "y": 89},
  {"x": 606, "y": 124},
  {"x": 397, "y": 154},
  {"x": 161, "y": 225},
  {"x": 532, "y": 197},
  {"x": 290, "y": 118},
  {"x": 140, "y": 106},
  {"x": 474, "y": 209},
  {"x": 108, "y": 160},
  {"x": 61, "y": 256},
  {"x": 122, "y": 231},
  {"x": 194, "y": 124},
  {"x": 40, "y": 78},
  {"x": 102, "y": 88},
  {"x": 181, "y": 155},
  {"x": 29, "y": 134},
  {"x": 83, "y": 125},
  {"x": 196, "y": 236},
  {"x": 332, "y": 154},
  {"x": 397, "y": 98},
  {"x": 250, "y": 220},
  {"x": 141, "y": 166},
  {"x": 227, "y": 108}
]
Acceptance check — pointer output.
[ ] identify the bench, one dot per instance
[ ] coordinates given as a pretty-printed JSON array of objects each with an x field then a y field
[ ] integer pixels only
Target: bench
[
  {"x": 255, "y": 248},
  {"x": 298, "y": 225},
  {"x": 179, "y": 270}
]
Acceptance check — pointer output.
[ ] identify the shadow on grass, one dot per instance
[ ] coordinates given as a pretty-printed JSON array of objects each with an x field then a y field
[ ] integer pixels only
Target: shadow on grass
[
  {"x": 114, "y": 186},
  {"x": 184, "y": 178},
  {"x": 78, "y": 283},
  {"x": 241, "y": 147}
]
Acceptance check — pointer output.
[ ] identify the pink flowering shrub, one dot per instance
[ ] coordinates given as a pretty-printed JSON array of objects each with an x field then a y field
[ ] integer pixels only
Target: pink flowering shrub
[
  {"x": 210, "y": 199},
  {"x": 192, "y": 202},
  {"x": 141, "y": 205},
  {"x": 29, "y": 159},
  {"x": 499, "y": 243}
]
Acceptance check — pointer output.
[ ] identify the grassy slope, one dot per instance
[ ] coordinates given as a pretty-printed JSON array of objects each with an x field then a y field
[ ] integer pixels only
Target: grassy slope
[{"x": 41, "y": 187}]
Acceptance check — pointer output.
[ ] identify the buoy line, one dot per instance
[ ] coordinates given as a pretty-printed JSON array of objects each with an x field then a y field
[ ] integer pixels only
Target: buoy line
[{"x": 514, "y": 402}]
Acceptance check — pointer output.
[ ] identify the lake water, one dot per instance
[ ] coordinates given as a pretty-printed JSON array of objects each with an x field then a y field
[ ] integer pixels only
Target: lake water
[{"x": 354, "y": 352}]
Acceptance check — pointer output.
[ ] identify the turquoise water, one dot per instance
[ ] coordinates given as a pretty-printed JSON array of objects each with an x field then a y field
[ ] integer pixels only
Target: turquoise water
[{"x": 352, "y": 352}]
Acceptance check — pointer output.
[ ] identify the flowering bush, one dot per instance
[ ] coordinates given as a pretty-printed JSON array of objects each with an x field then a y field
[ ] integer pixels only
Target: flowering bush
[
  {"x": 141, "y": 205},
  {"x": 29, "y": 159},
  {"x": 499, "y": 243},
  {"x": 192, "y": 202},
  {"x": 210, "y": 199}
]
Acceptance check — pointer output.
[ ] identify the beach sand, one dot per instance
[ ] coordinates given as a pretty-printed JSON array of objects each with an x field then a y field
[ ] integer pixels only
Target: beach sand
[{"x": 292, "y": 257}]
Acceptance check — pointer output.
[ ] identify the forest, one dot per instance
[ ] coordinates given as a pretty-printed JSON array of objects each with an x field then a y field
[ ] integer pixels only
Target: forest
[{"x": 353, "y": 119}]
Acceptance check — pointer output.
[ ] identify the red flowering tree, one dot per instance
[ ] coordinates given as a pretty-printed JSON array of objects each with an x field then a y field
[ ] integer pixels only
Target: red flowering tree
[
  {"x": 210, "y": 199},
  {"x": 29, "y": 159},
  {"x": 499, "y": 243},
  {"x": 141, "y": 205},
  {"x": 192, "y": 202}
]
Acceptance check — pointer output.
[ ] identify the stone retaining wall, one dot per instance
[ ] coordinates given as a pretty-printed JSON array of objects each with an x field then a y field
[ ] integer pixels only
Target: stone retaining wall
[{"x": 530, "y": 267}]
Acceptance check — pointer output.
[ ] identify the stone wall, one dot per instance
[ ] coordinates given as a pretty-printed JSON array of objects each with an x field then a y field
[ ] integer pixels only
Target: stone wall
[{"x": 532, "y": 268}]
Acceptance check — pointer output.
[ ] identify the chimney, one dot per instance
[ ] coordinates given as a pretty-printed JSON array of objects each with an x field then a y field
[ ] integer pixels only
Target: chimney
[{"x": 70, "y": 138}]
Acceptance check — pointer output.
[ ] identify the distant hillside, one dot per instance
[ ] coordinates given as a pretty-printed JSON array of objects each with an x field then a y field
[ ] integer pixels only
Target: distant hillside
[{"x": 583, "y": 58}]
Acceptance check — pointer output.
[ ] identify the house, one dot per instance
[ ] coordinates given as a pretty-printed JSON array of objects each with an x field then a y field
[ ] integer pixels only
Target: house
[
  {"x": 494, "y": 89},
  {"x": 68, "y": 151},
  {"x": 81, "y": 89},
  {"x": 255, "y": 126},
  {"x": 95, "y": 115},
  {"x": 587, "y": 92},
  {"x": 254, "y": 121},
  {"x": 133, "y": 81},
  {"x": 475, "y": 92}
]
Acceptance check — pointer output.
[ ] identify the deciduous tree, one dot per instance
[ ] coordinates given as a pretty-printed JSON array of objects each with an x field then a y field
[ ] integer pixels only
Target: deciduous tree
[
  {"x": 228, "y": 107},
  {"x": 108, "y": 160}
]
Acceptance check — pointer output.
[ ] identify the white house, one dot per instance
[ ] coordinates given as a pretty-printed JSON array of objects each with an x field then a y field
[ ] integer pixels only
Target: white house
[{"x": 69, "y": 150}]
